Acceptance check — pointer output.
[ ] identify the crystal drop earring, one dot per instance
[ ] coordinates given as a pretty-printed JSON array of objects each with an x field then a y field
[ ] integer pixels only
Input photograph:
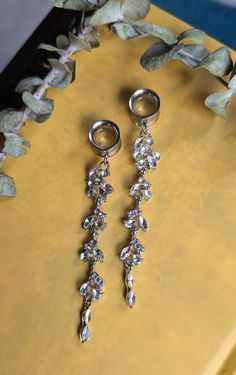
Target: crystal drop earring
[
  {"x": 144, "y": 108},
  {"x": 104, "y": 137}
]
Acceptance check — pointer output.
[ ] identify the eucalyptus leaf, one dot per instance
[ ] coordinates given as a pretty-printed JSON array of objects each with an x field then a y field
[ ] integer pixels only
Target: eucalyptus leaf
[
  {"x": 39, "y": 118},
  {"x": 217, "y": 102},
  {"x": 7, "y": 186},
  {"x": 62, "y": 75},
  {"x": 50, "y": 48},
  {"x": 109, "y": 13},
  {"x": 15, "y": 145},
  {"x": 92, "y": 40},
  {"x": 159, "y": 32},
  {"x": 28, "y": 84},
  {"x": 218, "y": 62},
  {"x": 10, "y": 119},
  {"x": 72, "y": 67},
  {"x": 125, "y": 31},
  {"x": 233, "y": 71},
  {"x": 39, "y": 106},
  {"x": 79, "y": 43},
  {"x": 135, "y": 9},
  {"x": 193, "y": 34},
  {"x": 77, "y": 4},
  {"x": 128, "y": 31},
  {"x": 232, "y": 81},
  {"x": 191, "y": 54},
  {"x": 157, "y": 55},
  {"x": 62, "y": 42}
]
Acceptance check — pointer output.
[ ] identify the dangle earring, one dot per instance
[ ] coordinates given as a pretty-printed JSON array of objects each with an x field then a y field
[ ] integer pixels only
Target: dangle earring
[
  {"x": 144, "y": 107},
  {"x": 104, "y": 137}
]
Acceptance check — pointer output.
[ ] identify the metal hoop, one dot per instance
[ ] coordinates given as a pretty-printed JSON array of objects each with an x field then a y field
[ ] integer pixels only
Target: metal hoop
[
  {"x": 113, "y": 148},
  {"x": 150, "y": 118}
]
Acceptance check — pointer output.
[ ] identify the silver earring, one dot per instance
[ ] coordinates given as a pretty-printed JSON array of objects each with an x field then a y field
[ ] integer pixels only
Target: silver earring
[
  {"x": 144, "y": 108},
  {"x": 98, "y": 189}
]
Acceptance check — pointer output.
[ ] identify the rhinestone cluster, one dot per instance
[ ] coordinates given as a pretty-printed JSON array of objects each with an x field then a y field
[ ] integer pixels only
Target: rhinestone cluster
[
  {"x": 91, "y": 290},
  {"x": 146, "y": 158}
]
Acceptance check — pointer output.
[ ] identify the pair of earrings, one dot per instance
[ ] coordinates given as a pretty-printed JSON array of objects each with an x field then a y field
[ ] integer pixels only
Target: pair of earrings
[{"x": 144, "y": 107}]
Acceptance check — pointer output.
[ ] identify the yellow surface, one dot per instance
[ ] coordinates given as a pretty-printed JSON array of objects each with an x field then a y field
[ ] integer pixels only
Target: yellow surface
[{"x": 183, "y": 323}]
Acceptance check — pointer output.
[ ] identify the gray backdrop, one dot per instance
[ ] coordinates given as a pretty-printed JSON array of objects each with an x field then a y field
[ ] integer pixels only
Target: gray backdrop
[{"x": 18, "y": 19}]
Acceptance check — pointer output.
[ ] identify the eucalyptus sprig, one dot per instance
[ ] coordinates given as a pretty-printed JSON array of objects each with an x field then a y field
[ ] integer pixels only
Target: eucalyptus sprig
[{"x": 124, "y": 20}]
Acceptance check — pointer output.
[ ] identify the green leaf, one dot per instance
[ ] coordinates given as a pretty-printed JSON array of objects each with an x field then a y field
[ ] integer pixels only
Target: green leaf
[
  {"x": 232, "y": 82},
  {"x": 10, "y": 119},
  {"x": 158, "y": 55},
  {"x": 50, "y": 48},
  {"x": 15, "y": 145},
  {"x": 79, "y": 43},
  {"x": 92, "y": 40},
  {"x": 62, "y": 76},
  {"x": 218, "y": 63},
  {"x": 71, "y": 4},
  {"x": 28, "y": 84},
  {"x": 135, "y": 9},
  {"x": 109, "y": 13},
  {"x": 217, "y": 102},
  {"x": 191, "y": 55},
  {"x": 40, "y": 107},
  {"x": 62, "y": 42},
  {"x": 125, "y": 31},
  {"x": 193, "y": 34},
  {"x": 39, "y": 118},
  {"x": 7, "y": 186},
  {"x": 159, "y": 32}
]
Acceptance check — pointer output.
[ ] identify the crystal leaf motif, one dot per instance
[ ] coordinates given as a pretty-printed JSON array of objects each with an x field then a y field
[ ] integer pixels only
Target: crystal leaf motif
[
  {"x": 95, "y": 221},
  {"x": 132, "y": 254},
  {"x": 135, "y": 220},
  {"x": 98, "y": 188},
  {"x": 91, "y": 253},
  {"x": 92, "y": 289},
  {"x": 141, "y": 190},
  {"x": 145, "y": 157}
]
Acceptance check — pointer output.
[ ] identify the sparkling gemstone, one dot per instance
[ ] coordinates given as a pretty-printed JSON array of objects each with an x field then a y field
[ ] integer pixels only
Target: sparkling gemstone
[
  {"x": 97, "y": 279},
  {"x": 142, "y": 222},
  {"x": 88, "y": 222},
  {"x": 85, "y": 334},
  {"x": 129, "y": 223},
  {"x": 86, "y": 316},
  {"x": 147, "y": 194},
  {"x": 138, "y": 142},
  {"x": 131, "y": 298},
  {"x": 133, "y": 213},
  {"x": 84, "y": 289},
  {"x": 129, "y": 280}
]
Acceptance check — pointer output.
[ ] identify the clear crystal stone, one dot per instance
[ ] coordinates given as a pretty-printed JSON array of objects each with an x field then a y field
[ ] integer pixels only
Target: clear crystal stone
[
  {"x": 86, "y": 316},
  {"x": 88, "y": 222},
  {"x": 130, "y": 298},
  {"x": 129, "y": 280},
  {"x": 84, "y": 289},
  {"x": 147, "y": 194},
  {"x": 85, "y": 334},
  {"x": 142, "y": 222},
  {"x": 129, "y": 223},
  {"x": 138, "y": 142},
  {"x": 133, "y": 213}
]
